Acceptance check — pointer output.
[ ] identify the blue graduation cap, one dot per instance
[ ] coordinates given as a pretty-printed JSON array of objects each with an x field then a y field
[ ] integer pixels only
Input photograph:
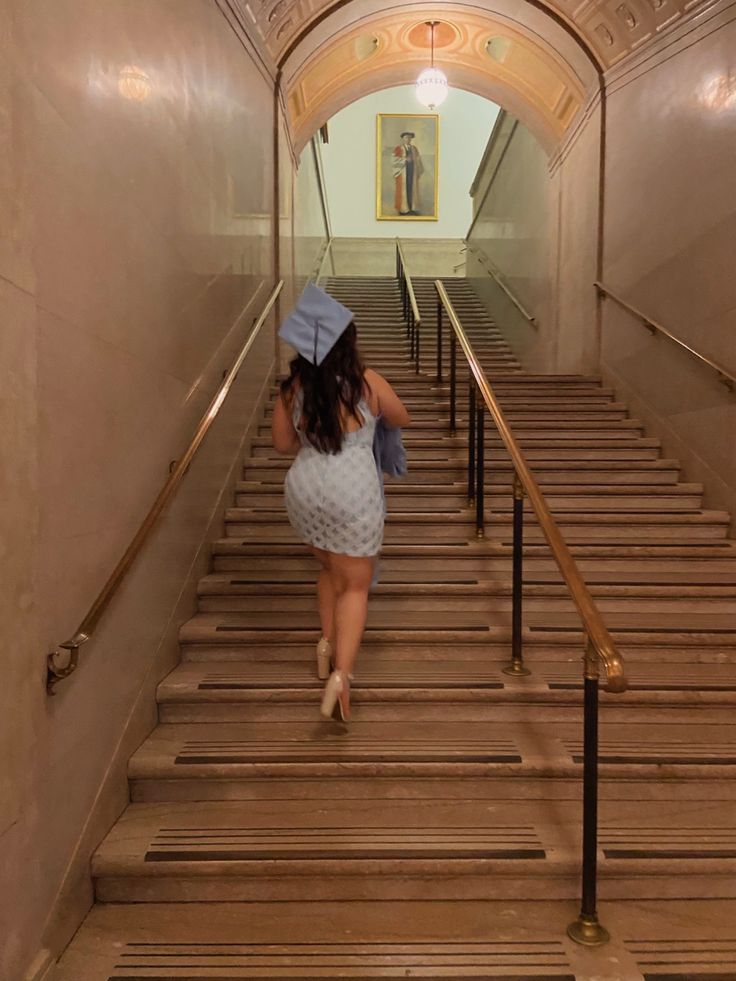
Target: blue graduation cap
[{"x": 315, "y": 324}]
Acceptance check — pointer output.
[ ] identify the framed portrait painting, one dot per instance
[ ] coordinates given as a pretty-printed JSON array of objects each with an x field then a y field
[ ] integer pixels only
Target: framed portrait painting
[{"x": 407, "y": 161}]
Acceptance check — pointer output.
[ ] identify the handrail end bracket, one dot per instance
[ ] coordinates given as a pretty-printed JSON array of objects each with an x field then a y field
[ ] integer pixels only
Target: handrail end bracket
[
  {"x": 616, "y": 679},
  {"x": 56, "y": 672}
]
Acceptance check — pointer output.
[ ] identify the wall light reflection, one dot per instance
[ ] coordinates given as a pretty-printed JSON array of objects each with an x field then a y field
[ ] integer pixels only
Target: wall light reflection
[{"x": 719, "y": 93}]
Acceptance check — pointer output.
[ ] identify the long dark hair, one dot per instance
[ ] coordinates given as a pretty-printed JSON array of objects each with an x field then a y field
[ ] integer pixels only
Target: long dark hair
[{"x": 331, "y": 390}]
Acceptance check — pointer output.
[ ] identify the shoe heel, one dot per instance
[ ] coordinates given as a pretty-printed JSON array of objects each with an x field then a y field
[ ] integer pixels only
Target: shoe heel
[{"x": 331, "y": 697}]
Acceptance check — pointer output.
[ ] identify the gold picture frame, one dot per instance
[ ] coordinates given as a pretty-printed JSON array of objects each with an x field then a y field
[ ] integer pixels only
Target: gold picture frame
[{"x": 407, "y": 182}]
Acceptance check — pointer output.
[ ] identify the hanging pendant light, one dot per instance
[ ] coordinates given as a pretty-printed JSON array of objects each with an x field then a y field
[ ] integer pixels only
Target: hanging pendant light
[{"x": 432, "y": 84}]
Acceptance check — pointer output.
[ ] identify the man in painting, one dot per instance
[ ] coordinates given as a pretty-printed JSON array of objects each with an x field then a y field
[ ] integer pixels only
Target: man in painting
[{"x": 407, "y": 169}]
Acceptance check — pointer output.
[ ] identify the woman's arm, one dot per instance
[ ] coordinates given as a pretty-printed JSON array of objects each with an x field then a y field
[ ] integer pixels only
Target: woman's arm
[
  {"x": 386, "y": 401},
  {"x": 283, "y": 434}
]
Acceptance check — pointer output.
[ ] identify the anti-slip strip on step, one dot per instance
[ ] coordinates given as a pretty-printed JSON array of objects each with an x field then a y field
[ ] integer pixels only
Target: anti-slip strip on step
[
  {"x": 204, "y": 752},
  {"x": 247, "y": 684},
  {"x": 658, "y": 753},
  {"x": 443, "y": 579},
  {"x": 651, "y": 678},
  {"x": 361, "y": 961},
  {"x": 263, "y": 844},
  {"x": 370, "y": 629},
  {"x": 694, "y": 630},
  {"x": 633, "y": 686},
  {"x": 701, "y": 843},
  {"x": 685, "y": 960}
]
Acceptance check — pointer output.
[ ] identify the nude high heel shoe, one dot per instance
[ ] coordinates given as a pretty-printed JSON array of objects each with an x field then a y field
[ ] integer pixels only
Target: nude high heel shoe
[
  {"x": 324, "y": 656},
  {"x": 335, "y": 688}
]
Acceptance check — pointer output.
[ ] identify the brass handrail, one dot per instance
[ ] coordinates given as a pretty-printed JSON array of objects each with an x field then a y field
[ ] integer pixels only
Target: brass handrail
[
  {"x": 492, "y": 271},
  {"x": 410, "y": 307},
  {"x": 56, "y": 672},
  {"x": 725, "y": 376},
  {"x": 326, "y": 248},
  {"x": 409, "y": 284},
  {"x": 598, "y": 635}
]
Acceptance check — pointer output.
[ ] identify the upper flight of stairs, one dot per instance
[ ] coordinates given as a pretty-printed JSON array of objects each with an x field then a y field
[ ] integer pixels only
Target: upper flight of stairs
[{"x": 454, "y": 781}]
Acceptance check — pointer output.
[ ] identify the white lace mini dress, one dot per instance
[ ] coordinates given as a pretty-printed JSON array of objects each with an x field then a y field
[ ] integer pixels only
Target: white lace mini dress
[{"x": 334, "y": 500}]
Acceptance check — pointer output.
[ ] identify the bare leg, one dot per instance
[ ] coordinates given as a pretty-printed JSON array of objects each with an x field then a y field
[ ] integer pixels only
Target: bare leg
[
  {"x": 326, "y": 603},
  {"x": 325, "y": 595},
  {"x": 351, "y": 580}
]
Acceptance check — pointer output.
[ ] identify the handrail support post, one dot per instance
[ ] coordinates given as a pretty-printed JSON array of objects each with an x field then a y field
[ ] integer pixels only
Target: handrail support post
[
  {"x": 439, "y": 340},
  {"x": 480, "y": 466},
  {"x": 587, "y": 930},
  {"x": 453, "y": 379},
  {"x": 417, "y": 336},
  {"x": 471, "y": 440},
  {"x": 517, "y": 666}
]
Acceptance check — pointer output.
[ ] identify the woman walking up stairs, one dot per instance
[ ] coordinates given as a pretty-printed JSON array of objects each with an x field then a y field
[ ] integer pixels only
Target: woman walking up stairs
[{"x": 327, "y": 414}]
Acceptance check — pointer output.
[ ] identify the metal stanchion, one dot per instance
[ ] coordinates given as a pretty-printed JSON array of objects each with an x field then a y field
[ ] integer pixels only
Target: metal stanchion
[
  {"x": 586, "y": 929},
  {"x": 471, "y": 441},
  {"x": 453, "y": 367},
  {"x": 439, "y": 340},
  {"x": 480, "y": 467},
  {"x": 516, "y": 667}
]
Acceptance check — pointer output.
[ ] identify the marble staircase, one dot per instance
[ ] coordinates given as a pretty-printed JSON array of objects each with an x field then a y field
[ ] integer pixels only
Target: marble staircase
[{"x": 439, "y": 835}]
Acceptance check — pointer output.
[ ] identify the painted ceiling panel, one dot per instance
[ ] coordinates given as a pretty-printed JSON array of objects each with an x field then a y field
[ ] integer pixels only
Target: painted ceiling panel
[
  {"x": 477, "y": 52},
  {"x": 628, "y": 22}
]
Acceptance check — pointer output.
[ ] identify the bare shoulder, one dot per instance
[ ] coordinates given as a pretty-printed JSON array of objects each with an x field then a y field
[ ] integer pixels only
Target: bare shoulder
[
  {"x": 375, "y": 381},
  {"x": 385, "y": 401}
]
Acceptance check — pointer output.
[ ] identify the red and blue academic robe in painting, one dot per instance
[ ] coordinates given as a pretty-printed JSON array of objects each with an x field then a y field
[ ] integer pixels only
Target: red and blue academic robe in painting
[{"x": 407, "y": 169}]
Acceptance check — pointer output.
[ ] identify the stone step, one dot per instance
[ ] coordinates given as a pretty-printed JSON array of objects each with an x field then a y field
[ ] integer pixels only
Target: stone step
[
  {"x": 485, "y": 560},
  {"x": 719, "y": 551},
  {"x": 464, "y": 597},
  {"x": 467, "y": 626},
  {"x": 538, "y": 578},
  {"x": 612, "y": 450},
  {"x": 504, "y": 940},
  {"x": 526, "y": 408},
  {"x": 407, "y": 850},
  {"x": 617, "y": 528},
  {"x": 412, "y": 497},
  {"x": 499, "y": 479},
  {"x": 411, "y": 688},
  {"x": 539, "y": 649},
  {"x": 499, "y": 470},
  {"x": 534, "y": 451},
  {"x": 414, "y": 759},
  {"x": 422, "y": 444}
]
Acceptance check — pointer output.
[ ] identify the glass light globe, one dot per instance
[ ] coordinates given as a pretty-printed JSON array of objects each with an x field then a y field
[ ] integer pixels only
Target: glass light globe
[{"x": 432, "y": 87}]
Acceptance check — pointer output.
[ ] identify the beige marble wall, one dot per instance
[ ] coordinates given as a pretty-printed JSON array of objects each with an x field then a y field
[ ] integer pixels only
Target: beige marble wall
[
  {"x": 135, "y": 251},
  {"x": 536, "y": 226},
  {"x": 511, "y": 235},
  {"x": 511, "y": 220},
  {"x": 377, "y": 256},
  {"x": 311, "y": 224},
  {"x": 287, "y": 180},
  {"x": 573, "y": 216},
  {"x": 670, "y": 242}
]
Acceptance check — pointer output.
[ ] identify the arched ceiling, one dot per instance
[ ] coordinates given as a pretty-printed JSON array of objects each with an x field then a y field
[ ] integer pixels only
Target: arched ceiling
[
  {"x": 537, "y": 58},
  {"x": 611, "y": 28},
  {"x": 489, "y": 56}
]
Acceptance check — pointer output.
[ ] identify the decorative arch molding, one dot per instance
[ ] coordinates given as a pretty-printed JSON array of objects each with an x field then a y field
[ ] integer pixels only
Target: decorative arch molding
[
  {"x": 503, "y": 61},
  {"x": 609, "y": 29}
]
